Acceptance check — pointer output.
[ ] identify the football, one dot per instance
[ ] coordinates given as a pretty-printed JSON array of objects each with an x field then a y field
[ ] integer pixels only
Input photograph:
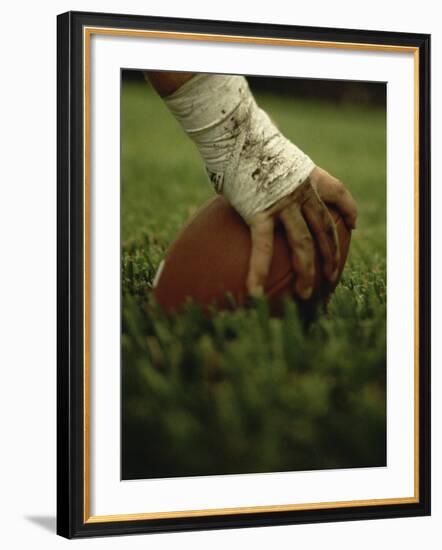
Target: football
[{"x": 208, "y": 263}]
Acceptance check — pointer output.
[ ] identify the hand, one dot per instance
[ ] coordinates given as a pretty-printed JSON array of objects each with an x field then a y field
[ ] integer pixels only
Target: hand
[{"x": 305, "y": 218}]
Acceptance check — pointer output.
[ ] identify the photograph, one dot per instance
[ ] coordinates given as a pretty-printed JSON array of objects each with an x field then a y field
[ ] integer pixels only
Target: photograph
[
  {"x": 253, "y": 274},
  {"x": 243, "y": 274}
]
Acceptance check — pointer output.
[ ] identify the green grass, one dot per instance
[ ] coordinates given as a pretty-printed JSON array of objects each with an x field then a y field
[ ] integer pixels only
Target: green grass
[{"x": 244, "y": 392}]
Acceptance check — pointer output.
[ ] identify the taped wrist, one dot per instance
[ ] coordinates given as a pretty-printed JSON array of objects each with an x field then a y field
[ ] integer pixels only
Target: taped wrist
[{"x": 247, "y": 158}]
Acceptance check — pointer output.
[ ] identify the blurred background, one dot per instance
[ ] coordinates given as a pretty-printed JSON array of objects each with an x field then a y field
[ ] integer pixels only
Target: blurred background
[
  {"x": 244, "y": 392},
  {"x": 331, "y": 91}
]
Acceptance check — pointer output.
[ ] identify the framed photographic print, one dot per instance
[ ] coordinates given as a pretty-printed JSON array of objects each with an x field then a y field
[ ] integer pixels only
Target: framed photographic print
[{"x": 243, "y": 274}]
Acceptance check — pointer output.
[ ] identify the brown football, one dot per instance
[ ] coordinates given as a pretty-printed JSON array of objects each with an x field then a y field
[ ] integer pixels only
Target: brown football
[{"x": 209, "y": 260}]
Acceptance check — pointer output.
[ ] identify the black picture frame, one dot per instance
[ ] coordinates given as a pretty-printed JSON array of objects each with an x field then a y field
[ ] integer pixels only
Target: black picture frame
[{"x": 71, "y": 519}]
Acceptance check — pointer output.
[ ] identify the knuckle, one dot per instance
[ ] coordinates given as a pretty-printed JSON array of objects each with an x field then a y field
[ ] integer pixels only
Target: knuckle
[
  {"x": 341, "y": 190},
  {"x": 264, "y": 246},
  {"x": 339, "y": 184},
  {"x": 259, "y": 220},
  {"x": 305, "y": 241}
]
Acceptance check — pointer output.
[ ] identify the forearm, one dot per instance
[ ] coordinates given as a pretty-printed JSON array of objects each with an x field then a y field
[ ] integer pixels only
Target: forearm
[
  {"x": 247, "y": 158},
  {"x": 167, "y": 82}
]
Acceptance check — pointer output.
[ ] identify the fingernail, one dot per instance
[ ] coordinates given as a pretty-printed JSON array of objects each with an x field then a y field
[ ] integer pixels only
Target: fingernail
[
  {"x": 257, "y": 292},
  {"x": 304, "y": 292},
  {"x": 351, "y": 223}
]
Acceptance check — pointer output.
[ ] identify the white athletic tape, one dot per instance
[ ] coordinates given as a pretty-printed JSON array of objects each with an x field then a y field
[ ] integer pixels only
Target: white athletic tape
[{"x": 247, "y": 158}]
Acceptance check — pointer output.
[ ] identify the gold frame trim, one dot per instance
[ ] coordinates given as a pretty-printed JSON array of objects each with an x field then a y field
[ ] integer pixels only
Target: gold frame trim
[{"x": 87, "y": 33}]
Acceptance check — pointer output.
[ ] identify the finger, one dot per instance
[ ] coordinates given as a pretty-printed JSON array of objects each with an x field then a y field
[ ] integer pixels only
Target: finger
[
  {"x": 302, "y": 247},
  {"x": 322, "y": 226},
  {"x": 333, "y": 191},
  {"x": 261, "y": 231}
]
